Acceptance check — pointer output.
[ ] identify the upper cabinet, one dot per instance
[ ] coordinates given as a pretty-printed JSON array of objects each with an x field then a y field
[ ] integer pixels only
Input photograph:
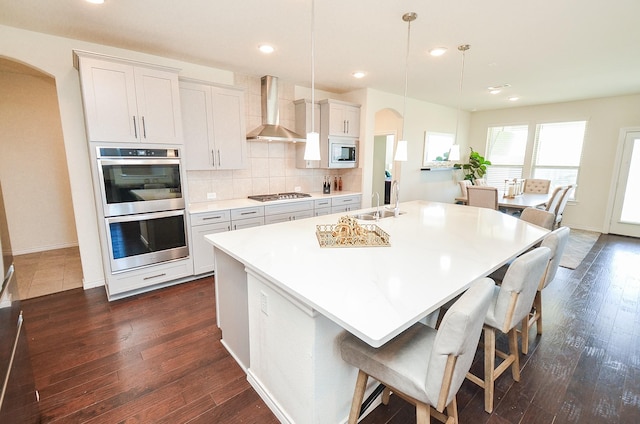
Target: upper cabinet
[
  {"x": 127, "y": 101},
  {"x": 340, "y": 118},
  {"x": 213, "y": 121}
]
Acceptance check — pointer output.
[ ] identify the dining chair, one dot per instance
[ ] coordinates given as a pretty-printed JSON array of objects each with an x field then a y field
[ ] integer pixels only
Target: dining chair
[
  {"x": 422, "y": 365},
  {"x": 554, "y": 200},
  {"x": 536, "y": 185},
  {"x": 463, "y": 187},
  {"x": 563, "y": 202},
  {"x": 482, "y": 196},
  {"x": 556, "y": 242},
  {"x": 511, "y": 303},
  {"x": 538, "y": 217}
]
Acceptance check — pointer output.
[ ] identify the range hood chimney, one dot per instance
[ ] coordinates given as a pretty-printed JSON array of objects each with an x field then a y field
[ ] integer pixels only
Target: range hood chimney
[{"x": 270, "y": 130}]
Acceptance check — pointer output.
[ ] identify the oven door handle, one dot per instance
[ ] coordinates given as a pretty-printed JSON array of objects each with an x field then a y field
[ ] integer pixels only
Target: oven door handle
[{"x": 144, "y": 216}]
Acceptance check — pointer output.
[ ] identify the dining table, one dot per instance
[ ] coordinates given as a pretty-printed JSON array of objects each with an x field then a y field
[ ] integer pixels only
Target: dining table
[
  {"x": 518, "y": 202},
  {"x": 284, "y": 297}
]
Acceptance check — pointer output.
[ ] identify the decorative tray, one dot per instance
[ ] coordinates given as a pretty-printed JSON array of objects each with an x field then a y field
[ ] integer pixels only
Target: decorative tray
[{"x": 348, "y": 233}]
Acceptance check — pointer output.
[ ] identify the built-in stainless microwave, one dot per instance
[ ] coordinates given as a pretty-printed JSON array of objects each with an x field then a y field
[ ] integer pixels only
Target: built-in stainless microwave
[{"x": 343, "y": 153}]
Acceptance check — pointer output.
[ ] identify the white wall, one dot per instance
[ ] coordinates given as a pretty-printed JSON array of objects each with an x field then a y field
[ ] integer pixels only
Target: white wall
[
  {"x": 33, "y": 166},
  {"x": 605, "y": 116},
  {"x": 421, "y": 116}
]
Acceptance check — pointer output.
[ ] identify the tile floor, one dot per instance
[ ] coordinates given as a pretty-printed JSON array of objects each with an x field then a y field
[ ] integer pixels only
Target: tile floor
[{"x": 48, "y": 272}]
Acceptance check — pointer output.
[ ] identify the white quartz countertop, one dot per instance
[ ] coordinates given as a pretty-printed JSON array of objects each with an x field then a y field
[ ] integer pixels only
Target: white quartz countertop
[
  {"x": 436, "y": 251},
  {"x": 212, "y": 206}
]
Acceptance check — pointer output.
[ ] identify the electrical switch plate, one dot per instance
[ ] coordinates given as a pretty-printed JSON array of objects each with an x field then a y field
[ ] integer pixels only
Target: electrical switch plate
[
  {"x": 211, "y": 196},
  {"x": 297, "y": 189},
  {"x": 263, "y": 303}
]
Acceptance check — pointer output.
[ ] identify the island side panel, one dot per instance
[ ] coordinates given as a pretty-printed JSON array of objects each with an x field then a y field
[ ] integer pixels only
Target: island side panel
[
  {"x": 295, "y": 358},
  {"x": 231, "y": 306}
]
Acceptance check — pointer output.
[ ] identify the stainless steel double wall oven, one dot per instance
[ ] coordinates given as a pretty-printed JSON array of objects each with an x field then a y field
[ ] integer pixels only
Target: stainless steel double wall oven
[{"x": 143, "y": 204}]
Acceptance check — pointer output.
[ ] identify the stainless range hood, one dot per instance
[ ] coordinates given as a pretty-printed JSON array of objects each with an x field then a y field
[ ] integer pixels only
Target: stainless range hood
[{"x": 270, "y": 130}]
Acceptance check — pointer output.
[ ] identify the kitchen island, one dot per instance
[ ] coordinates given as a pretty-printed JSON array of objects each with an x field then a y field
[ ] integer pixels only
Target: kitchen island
[{"x": 283, "y": 301}]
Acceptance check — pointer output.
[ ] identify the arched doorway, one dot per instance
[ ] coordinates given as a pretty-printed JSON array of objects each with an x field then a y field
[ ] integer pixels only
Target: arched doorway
[
  {"x": 388, "y": 128},
  {"x": 35, "y": 180}
]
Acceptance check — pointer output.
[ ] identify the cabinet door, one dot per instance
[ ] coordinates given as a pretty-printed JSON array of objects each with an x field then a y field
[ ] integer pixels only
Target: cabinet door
[
  {"x": 158, "y": 99},
  {"x": 203, "y": 250},
  {"x": 337, "y": 119},
  {"x": 195, "y": 101},
  {"x": 109, "y": 97},
  {"x": 352, "y": 117},
  {"x": 229, "y": 128},
  {"x": 247, "y": 223}
]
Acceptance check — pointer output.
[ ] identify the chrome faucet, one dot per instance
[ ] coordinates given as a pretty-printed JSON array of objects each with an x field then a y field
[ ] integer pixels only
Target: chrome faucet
[
  {"x": 396, "y": 188},
  {"x": 377, "y": 205}
]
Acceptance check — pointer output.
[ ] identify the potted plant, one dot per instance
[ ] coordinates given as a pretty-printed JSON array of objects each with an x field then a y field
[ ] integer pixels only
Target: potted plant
[{"x": 476, "y": 168}]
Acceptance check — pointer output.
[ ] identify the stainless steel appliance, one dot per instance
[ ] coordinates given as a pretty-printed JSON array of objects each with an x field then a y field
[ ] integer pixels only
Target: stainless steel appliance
[
  {"x": 343, "y": 152},
  {"x": 139, "y": 180},
  {"x": 18, "y": 396},
  {"x": 143, "y": 204},
  {"x": 278, "y": 196}
]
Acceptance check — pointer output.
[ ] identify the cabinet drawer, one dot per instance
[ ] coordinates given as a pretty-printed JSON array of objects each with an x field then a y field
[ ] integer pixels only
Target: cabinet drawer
[
  {"x": 148, "y": 277},
  {"x": 322, "y": 203},
  {"x": 245, "y": 213},
  {"x": 210, "y": 218},
  {"x": 346, "y": 201}
]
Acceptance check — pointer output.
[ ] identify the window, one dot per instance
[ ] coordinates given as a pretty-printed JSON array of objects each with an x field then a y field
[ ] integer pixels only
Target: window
[
  {"x": 557, "y": 152},
  {"x": 506, "y": 147},
  {"x": 436, "y": 147},
  {"x": 553, "y": 154}
]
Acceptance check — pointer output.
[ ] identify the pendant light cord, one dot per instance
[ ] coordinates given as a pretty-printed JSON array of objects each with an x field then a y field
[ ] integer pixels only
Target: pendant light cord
[
  {"x": 408, "y": 17},
  {"x": 463, "y": 48},
  {"x": 313, "y": 72}
]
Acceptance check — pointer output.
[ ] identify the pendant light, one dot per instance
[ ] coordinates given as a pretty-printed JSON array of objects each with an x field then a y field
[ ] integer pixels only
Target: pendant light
[
  {"x": 402, "y": 148},
  {"x": 454, "y": 152},
  {"x": 312, "y": 147}
]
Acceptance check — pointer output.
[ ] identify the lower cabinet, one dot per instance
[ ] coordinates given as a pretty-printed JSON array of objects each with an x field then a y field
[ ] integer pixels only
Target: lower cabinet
[
  {"x": 247, "y": 217},
  {"x": 345, "y": 203},
  {"x": 288, "y": 212}
]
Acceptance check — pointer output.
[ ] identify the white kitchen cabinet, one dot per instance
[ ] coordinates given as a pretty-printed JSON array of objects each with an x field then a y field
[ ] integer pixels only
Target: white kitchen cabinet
[
  {"x": 303, "y": 108},
  {"x": 247, "y": 217},
  {"x": 345, "y": 203},
  {"x": 126, "y": 101},
  {"x": 288, "y": 212},
  {"x": 201, "y": 250},
  {"x": 322, "y": 207},
  {"x": 214, "y": 126},
  {"x": 339, "y": 118}
]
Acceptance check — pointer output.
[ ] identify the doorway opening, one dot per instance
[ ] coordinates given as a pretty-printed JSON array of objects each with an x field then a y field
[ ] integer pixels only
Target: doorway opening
[{"x": 35, "y": 180}]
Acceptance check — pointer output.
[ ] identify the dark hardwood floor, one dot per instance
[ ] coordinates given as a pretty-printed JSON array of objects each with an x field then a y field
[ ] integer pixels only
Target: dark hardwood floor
[{"x": 157, "y": 357}]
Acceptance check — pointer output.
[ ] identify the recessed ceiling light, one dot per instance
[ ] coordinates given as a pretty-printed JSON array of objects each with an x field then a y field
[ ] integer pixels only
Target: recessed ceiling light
[
  {"x": 438, "y": 51},
  {"x": 359, "y": 74},
  {"x": 513, "y": 98},
  {"x": 494, "y": 90},
  {"x": 95, "y": 1},
  {"x": 265, "y": 48}
]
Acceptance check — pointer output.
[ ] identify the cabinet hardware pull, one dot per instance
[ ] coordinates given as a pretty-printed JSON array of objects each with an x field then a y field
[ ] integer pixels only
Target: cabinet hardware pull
[
  {"x": 144, "y": 128},
  {"x": 248, "y": 213},
  {"x": 135, "y": 127},
  {"x": 212, "y": 217},
  {"x": 213, "y": 158},
  {"x": 235, "y": 226},
  {"x": 219, "y": 158},
  {"x": 155, "y": 276}
]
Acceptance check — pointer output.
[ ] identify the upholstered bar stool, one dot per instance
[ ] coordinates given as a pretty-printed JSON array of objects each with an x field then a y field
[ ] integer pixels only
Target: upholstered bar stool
[
  {"x": 556, "y": 242},
  {"x": 424, "y": 366},
  {"x": 511, "y": 304}
]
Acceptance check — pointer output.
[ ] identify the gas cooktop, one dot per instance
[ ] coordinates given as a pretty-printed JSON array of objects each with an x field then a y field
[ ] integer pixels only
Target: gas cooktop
[{"x": 278, "y": 196}]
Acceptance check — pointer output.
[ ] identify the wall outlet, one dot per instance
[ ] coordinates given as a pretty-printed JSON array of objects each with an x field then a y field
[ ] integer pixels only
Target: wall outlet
[
  {"x": 264, "y": 307},
  {"x": 211, "y": 196},
  {"x": 297, "y": 189}
]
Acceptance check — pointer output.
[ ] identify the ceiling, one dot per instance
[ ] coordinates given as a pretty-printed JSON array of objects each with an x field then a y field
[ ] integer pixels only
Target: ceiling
[{"x": 547, "y": 51}]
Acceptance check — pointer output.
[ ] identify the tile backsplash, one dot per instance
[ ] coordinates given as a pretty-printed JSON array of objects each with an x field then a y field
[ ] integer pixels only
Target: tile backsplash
[{"x": 271, "y": 165}]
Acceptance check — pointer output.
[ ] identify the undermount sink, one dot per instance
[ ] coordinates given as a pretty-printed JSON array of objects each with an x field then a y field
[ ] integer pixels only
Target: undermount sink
[{"x": 371, "y": 216}]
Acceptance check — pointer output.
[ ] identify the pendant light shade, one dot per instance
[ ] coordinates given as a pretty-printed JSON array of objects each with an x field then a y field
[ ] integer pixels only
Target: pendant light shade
[
  {"x": 401, "y": 151},
  {"x": 312, "y": 147}
]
